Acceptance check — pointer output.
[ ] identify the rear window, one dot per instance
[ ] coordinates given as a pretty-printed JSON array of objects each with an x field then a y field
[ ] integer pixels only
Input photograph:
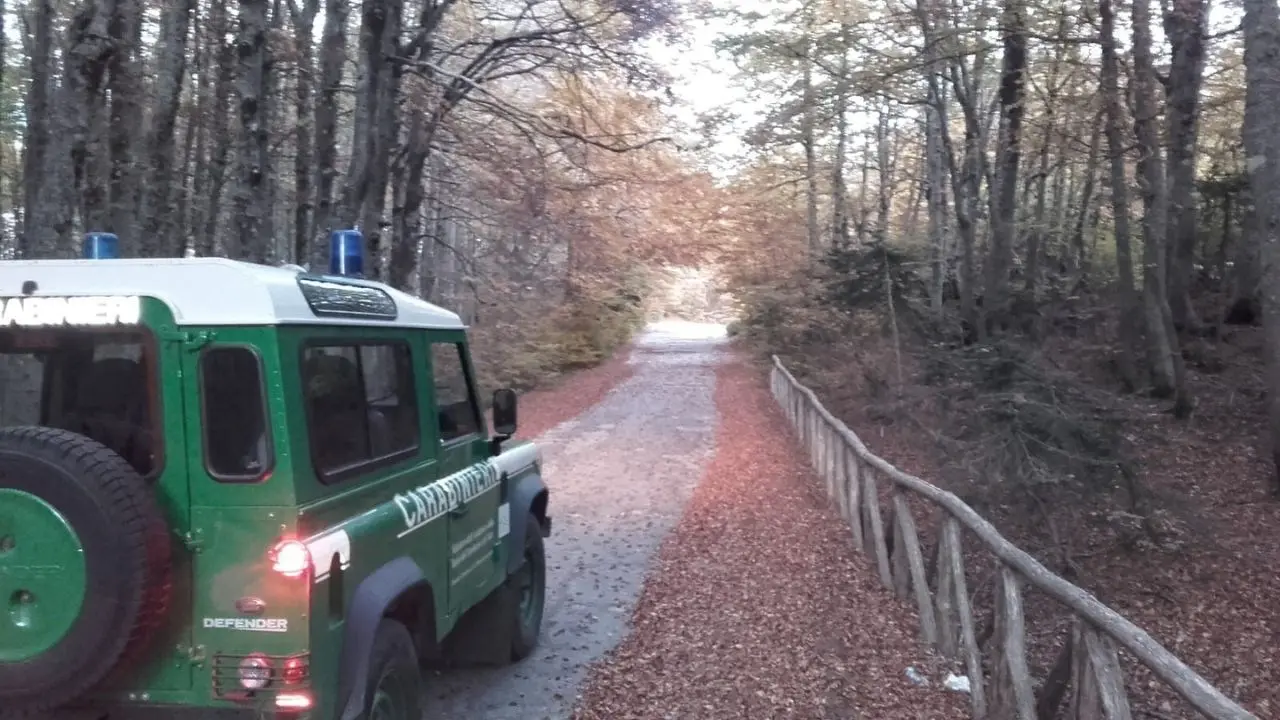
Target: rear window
[
  {"x": 361, "y": 406},
  {"x": 237, "y": 444},
  {"x": 99, "y": 384}
]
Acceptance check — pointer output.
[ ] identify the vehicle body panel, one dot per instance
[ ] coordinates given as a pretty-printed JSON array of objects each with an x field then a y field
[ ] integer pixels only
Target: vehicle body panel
[{"x": 445, "y": 521}]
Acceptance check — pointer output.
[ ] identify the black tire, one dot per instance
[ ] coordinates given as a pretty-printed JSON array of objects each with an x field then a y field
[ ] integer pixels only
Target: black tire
[
  {"x": 127, "y": 584},
  {"x": 526, "y": 621},
  {"x": 394, "y": 685}
]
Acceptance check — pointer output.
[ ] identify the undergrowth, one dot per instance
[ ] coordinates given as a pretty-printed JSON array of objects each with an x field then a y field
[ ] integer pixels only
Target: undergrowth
[
  {"x": 1015, "y": 432},
  {"x": 586, "y": 328}
]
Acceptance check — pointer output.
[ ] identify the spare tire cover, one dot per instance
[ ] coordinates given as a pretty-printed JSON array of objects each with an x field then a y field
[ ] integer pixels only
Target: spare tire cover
[{"x": 84, "y": 566}]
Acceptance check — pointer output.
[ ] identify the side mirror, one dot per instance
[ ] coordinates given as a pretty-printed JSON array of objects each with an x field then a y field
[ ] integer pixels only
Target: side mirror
[{"x": 504, "y": 412}]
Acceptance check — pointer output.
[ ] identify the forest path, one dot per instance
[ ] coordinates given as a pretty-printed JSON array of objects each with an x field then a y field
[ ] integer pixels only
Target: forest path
[
  {"x": 620, "y": 474},
  {"x": 696, "y": 569}
]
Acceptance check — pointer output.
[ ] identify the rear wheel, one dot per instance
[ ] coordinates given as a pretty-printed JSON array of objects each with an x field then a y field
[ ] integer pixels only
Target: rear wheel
[
  {"x": 84, "y": 566},
  {"x": 395, "y": 682}
]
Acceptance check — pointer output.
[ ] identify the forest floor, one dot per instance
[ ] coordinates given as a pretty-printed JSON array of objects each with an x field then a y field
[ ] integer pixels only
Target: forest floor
[{"x": 1212, "y": 598}]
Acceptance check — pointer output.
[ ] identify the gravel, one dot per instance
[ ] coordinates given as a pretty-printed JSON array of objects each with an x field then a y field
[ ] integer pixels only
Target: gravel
[{"x": 620, "y": 475}]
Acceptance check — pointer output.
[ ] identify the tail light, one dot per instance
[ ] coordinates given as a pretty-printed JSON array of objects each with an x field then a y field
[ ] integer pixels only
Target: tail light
[
  {"x": 295, "y": 671},
  {"x": 290, "y": 558}
]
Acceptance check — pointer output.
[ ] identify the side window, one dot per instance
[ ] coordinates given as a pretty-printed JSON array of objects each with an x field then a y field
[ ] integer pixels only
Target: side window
[
  {"x": 360, "y": 404},
  {"x": 237, "y": 444},
  {"x": 456, "y": 406}
]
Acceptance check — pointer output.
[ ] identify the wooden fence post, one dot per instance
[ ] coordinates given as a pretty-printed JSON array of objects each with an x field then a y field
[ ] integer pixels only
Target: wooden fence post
[
  {"x": 874, "y": 527},
  {"x": 1012, "y": 695},
  {"x": 853, "y": 492},
  {"x": 910, "y": 540},
  {"x": 824, "y": 467},
  {"x": 945, "y": 594},
  {"x": 898, "y": 558},
  {"x": 1097, "y": 683}
]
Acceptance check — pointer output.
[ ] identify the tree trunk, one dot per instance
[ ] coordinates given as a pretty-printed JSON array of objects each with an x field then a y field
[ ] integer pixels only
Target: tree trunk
[
  {"x": 252, "y": 195},
  {"x": 885, "y": 178},
  {"x": 1185, "y": 23},
  {"x": 386, "y": 134},
  {"x": 1167, "y": 368},
  {"x": 304, "y": 20},
  {"x": 223, "y": 61},
  {"x": 161, "y": 222},
  {"x": 1039, "y": 224},
  {"x": 1262, "y": 152},
  {"x": 809, "y": 139},
  {"x": 1129, "y": 303},
  {"x": 1079, "y": 264},
  {"x": 839, "y": 189},
  {"x": 36, "y": 136},
  {"x": 1005, "y": 197},
  {"x": 967, "y": 180},
  {"x": 333, "y": 49},
  {"x": 124, "y": 123},
  {"x": 935, "y": 184}
]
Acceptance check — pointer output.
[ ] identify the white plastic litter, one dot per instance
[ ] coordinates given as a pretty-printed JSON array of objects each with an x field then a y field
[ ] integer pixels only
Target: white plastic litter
[
  {"x": 956, "y": 683},
  {"x": 915, "y": 677}
]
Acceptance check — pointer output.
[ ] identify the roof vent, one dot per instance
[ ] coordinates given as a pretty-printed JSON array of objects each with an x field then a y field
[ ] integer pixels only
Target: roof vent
[
  {"x": 101, "y": 246},
  {"x": 346, "y": 253}
]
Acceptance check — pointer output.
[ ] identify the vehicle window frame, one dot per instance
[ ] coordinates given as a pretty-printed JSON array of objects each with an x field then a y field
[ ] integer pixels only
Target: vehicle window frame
[
  {"x": 270, "y": 465},
  {"x": 473, "y": 394},
  {"x": 344, "y": 473},
  {"x": 150, "y": 346}
]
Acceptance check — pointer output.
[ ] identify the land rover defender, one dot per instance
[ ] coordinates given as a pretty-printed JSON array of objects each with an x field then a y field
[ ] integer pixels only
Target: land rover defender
[{"x": 230, "y": 489}]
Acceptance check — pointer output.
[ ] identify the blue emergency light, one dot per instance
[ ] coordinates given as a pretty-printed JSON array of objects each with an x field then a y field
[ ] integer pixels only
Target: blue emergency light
[
  {"x": 101, "y": 246},
  {"x": 346, "y": 253}
]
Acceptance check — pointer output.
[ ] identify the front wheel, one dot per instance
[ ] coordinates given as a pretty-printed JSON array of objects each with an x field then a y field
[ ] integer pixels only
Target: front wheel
[
  {"x": 395, "y": 681},
  {"x": 529, "y": 584}
]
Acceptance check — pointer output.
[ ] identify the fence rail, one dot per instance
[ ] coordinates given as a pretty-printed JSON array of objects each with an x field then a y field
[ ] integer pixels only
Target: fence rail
[{"x": 1095, "y": 685}]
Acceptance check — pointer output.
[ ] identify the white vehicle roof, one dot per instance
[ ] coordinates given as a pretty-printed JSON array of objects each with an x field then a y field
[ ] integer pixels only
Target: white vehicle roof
[{"x": 211, "y": 291}]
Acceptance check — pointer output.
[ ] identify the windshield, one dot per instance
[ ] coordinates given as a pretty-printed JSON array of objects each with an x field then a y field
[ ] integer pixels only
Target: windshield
[{"x": 99, "y": 384}]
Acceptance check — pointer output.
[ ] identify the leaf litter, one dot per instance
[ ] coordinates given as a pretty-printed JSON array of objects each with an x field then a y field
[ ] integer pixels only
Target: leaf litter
[{"x": 757, "y": 605}]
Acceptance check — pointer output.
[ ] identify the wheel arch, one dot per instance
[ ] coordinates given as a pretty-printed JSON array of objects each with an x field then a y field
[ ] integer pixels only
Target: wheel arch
[
  {"x": 398, "y": 590},
  {"x": 528, "y": 496}
]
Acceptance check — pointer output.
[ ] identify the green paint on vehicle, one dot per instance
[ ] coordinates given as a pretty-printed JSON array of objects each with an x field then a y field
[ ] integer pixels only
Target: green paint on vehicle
[
  {"x": 42, "y": 576},
  {"x": 252, "y": 455}
]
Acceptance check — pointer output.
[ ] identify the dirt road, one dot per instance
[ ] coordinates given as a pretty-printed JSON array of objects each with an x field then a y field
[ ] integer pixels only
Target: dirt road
[
  {"x": 697, "y": 571},
  {"x": 620, "y": 475}
]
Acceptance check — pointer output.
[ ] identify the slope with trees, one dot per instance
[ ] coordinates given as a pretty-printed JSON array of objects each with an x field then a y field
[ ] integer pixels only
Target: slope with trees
[
  {"x": 485, "y": 149},
  {"x": 1026, "y": 247}
]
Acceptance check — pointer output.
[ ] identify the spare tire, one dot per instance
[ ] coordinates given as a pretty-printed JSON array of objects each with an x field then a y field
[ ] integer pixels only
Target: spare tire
[{"x": 84, "y": 566}]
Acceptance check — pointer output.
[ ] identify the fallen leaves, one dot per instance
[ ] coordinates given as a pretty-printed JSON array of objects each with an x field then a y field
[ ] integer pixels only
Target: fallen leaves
[
  {"x": 572, "y": 395},
  {"x": 757, "y": 605}
]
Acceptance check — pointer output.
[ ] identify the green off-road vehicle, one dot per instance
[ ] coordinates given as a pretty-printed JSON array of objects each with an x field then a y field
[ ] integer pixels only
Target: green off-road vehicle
[{"x": 229, "y": 490}]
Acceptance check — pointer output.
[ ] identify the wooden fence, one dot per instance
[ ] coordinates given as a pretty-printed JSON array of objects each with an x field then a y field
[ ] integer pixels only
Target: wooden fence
[{"x": 1095, "y": 686}]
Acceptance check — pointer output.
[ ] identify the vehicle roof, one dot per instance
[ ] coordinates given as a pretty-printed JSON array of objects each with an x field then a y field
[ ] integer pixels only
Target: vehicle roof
[{"x": 212, "y": 291}]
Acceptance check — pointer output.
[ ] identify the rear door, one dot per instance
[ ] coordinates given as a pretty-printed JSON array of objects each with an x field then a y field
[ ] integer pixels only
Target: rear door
[
  {"x": 241, "y": 498},
  {"x": 463, "y": 438}
]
